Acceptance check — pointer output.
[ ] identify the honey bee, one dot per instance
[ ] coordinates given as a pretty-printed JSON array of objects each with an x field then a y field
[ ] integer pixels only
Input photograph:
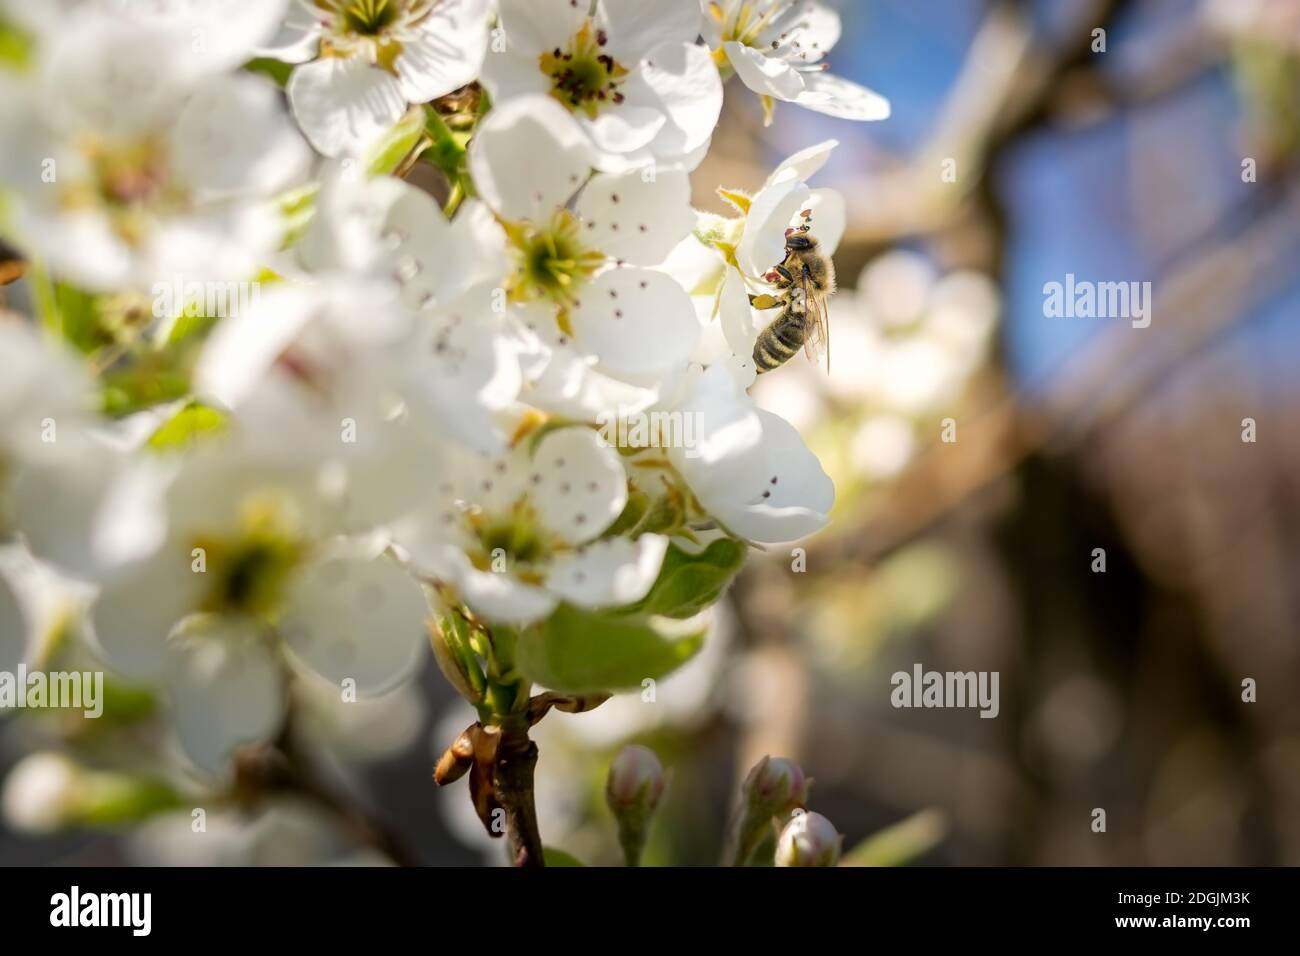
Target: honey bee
[{"x": 804, "y": 280}]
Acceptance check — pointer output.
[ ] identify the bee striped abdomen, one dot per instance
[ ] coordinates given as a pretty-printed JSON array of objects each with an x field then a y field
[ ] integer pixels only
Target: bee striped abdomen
[{"x": 780, "y": 341}]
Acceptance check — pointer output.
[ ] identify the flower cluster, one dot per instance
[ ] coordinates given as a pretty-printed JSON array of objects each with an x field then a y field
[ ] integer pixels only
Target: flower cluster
[{"x": 281, "y": 406}]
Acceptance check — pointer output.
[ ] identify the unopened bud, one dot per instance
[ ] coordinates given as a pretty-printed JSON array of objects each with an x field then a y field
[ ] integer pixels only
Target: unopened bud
[
  {"x": 40, "y": 793},
  {"x": 633, "y": 789},
  {"x": 776, "y": 786},
  {"x": 809, "y": 839},
  {"x": 47, "y": 791},
  {"x": 451, "y": 653},
  {"x": 636, "y": 777}
]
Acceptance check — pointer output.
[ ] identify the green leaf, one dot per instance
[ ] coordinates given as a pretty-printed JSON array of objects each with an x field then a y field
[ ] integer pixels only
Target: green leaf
[
  {"x": 554, "y": 857},
  {"x": 297, "y": 206},
  {"x": 901, "y": 843},
  {"x": 142, "y": 386},
  {"x": 116, "y": 799},
  {"x": 446, "y": 149},
  {"x": 15, "y": 45},
  {"x": 277, "y": 70},
  {"x": 69, "y": 313},
  {"x": 580, "y": 652},
  {"x": 689, "y": 583},
  {"x": 190, "y": 423},
  {"x": 387, "y": 154}
]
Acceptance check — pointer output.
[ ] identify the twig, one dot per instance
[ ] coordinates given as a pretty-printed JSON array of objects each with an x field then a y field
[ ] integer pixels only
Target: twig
[
  {"x": 515, "y": 763},
  {"x": 284, "y": 768}
]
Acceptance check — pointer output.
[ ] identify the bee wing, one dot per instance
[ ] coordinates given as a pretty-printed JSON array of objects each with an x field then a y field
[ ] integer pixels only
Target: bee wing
[{"x": 819, "y": 334}]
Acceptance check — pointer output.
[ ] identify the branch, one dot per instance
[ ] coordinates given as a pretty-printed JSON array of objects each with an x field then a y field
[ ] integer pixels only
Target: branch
[{"x": 515, "y": 763}]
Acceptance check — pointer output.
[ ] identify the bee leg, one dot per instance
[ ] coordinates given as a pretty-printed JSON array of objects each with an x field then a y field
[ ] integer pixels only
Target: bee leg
[{"x": 763, "y": 302}]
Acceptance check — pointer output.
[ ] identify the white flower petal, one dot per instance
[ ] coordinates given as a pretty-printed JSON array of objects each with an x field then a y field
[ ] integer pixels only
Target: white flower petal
[
  {"x": 627, "y": 127},
  {"x": 535, "y": 26},
  {"x": 81, "y": 247},
  {"x": 137, "y": 610},
  {"x": 637, "y": 221},
  {"x": 728, "y": 434},
  {"x": 215, "y": 242},
  {"x": 797, "y": 495},
  {"x": 809, "y": 30},
  {"x": 346, "y": 231},
  {"x": 681, "y": 80},
  {"x": 222, "y": 34},
  {"x": 464, "y": 369},
  {"x": 57, "y": 501},
  {"x": 803, "y": 165},
  {"x": 502, "y": 597},
  {"x": 354, "y": 614},
  {"x": 227, "y": 690},
  {"x": 243, "y": 347},
  {"x": 611, "y": 573},
  {"x": 563, "y": 381},
  {"x": 841, "y": 98},
  {"x": 635, "y": 27},
  {"x": 829, "y": 218},
  {"x": 578, "y": 483},
  {"x": 773, "y": 209},
  {"x": 528, "y": 157},
  {"x": 233, "y": 138},
  {"x": 343, "y": 105},
  {"x": 636, "y": 321},
  {"x": 297, "y": 39},
  {"x": 447, "y": 52},
  {"x": 438, "y": 261},
  {"x": 765, "y": 75},
  {"x": 506, "y": 76},
  {"x": 116, "y": 77},
  {"x": 740, "y": 323}
]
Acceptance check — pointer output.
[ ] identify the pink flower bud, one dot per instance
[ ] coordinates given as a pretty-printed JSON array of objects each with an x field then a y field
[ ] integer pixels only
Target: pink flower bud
[
  {"x": 809, "y": 839},
  {"x": 636, "y": 779},
  {"x": 777, "y": 784}
]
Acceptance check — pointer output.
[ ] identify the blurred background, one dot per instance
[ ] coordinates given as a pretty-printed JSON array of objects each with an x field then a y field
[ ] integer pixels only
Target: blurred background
[{"x": 1023, "y": 146}]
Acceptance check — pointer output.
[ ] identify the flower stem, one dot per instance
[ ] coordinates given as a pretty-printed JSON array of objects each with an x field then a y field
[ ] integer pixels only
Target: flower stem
[
  {"x": 516, "y": 761},
  {"x": 455, "y": 199}
]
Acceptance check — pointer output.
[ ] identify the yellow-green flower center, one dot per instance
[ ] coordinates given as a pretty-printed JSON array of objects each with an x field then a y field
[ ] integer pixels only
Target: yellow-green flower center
[
  {"x": 741, "y": 20},
  {"x": 553, "y": 262},
  {"x": 130, "y": 182},
  {"x": 369, "y": 17},
  {"x": 249, "y": 571},
  {"x": 514, "y": 540},
  {"x": 583, "y": 77}
]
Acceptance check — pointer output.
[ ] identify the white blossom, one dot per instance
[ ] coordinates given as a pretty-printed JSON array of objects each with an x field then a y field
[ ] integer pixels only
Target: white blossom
[
  {"x": 516, "y": 534},
  {"x": 749, "y": 468},
  {"x": 129, "y": 162},
  {"x": 642, "y": 91},
  {"x": 777, "y": 48},
  {"x": 236, "y": 562},
  {"x": 581, "y": 243},
  {"x": 361, "y": 63}
]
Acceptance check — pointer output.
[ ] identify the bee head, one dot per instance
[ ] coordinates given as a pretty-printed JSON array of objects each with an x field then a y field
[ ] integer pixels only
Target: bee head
[{"x": 798, "y": 240}]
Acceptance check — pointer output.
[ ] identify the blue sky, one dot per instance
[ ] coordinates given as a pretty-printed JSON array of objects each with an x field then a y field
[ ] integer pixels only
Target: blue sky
[{"x": 1110, "y": 202}]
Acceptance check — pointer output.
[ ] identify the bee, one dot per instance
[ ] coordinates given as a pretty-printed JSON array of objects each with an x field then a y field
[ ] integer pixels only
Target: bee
[{"x": 804, "y": 280}]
